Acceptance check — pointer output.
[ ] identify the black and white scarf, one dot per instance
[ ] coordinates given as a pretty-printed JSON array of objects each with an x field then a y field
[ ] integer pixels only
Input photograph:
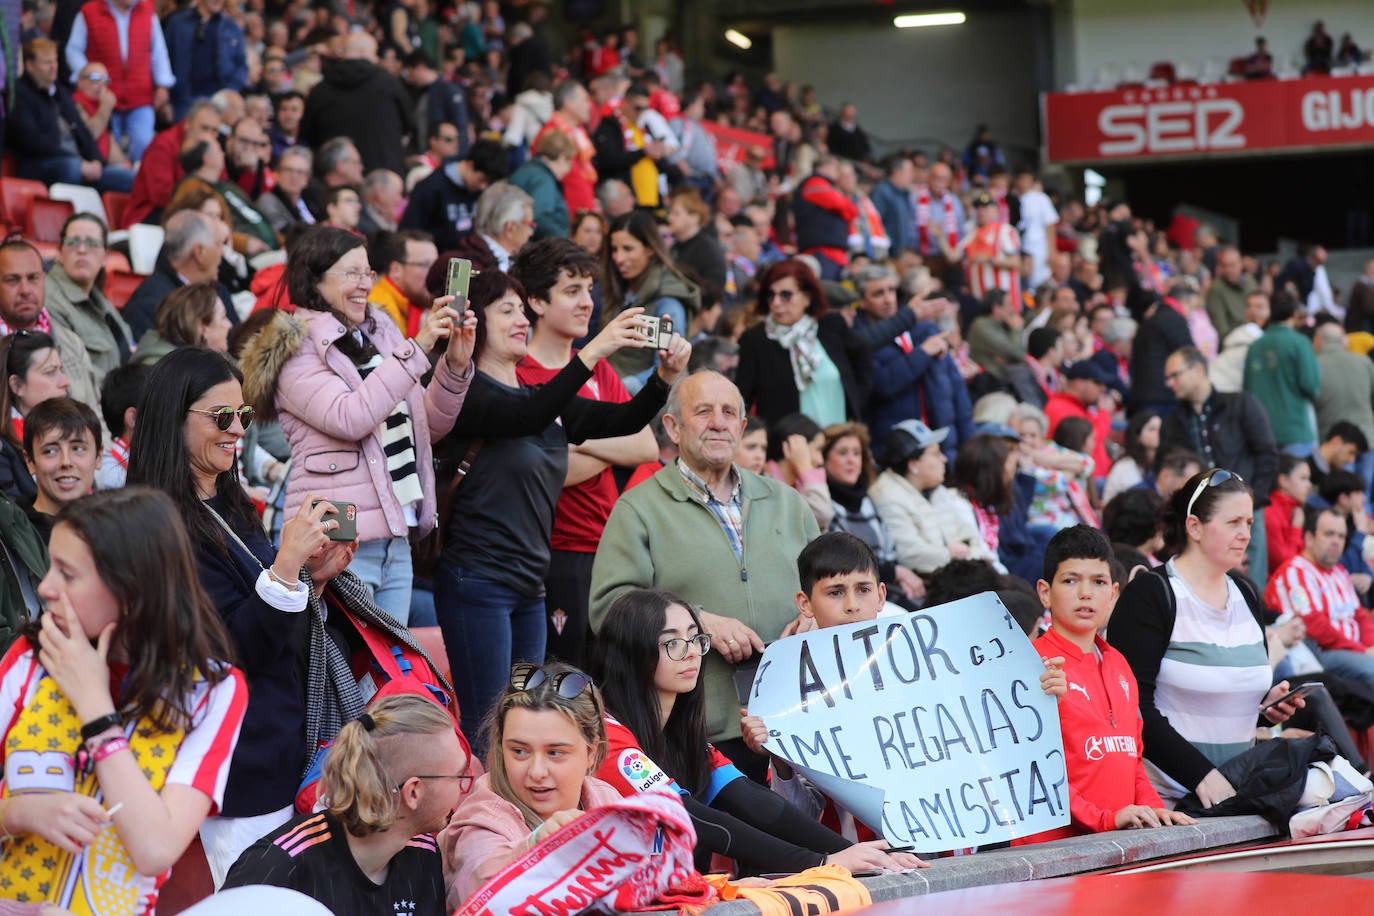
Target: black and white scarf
[{"x": 398, "y": 444}]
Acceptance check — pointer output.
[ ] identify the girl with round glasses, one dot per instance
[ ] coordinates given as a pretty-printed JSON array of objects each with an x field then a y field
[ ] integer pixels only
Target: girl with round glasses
[{"x": 647, "y": 659}]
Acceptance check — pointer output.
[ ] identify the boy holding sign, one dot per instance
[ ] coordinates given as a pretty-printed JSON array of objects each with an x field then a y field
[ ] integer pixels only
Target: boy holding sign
[
  {"x": 1100, "y": 712},
  {"x": 840, "y": 585}
]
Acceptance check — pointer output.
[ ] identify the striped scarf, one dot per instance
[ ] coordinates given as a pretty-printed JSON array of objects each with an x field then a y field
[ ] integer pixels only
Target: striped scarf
[{"x": 398, "y": 444}]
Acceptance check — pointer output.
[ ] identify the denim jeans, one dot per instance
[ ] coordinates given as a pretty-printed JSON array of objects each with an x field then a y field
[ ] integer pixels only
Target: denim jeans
[
  {"x": 136, "y": 125},
  {"x": 487, "y": 627},
  {"x": 67, "y": 170},
  {"x": 384, "y": 565},
  {"x": 1351, "y": 666}
]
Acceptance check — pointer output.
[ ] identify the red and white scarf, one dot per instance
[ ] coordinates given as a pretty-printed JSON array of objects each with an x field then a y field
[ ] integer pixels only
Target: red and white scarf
[
  {"x": 633, "y": 856},
  {"x": 42, "y": 325},
  {"x": 923, "y": 211}
]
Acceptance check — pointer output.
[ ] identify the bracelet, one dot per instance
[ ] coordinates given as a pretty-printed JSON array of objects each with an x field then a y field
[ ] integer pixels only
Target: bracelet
[
  {"x": 104, "y": 723},
  {"x": 94, "y": 744},
  {"x": 289, "y": 586},
  {"x": 113, "y": 746},
  {"x": 534, "y": 836}
]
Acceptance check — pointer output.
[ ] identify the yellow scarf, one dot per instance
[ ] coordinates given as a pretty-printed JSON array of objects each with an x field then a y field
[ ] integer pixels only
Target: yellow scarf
[{"x": 40, "y": 757}]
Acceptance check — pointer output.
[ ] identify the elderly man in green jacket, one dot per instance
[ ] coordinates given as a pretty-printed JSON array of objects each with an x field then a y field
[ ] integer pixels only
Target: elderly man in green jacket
[{"x": 723, "y": 538}]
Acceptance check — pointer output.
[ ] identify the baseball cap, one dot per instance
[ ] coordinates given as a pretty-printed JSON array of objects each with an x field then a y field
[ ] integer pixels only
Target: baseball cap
[
  {"x": 998, "y": 430},
  {"x": 984, "y": 199},
  {"x": 1089, "y": 370},
  {"x": 908, "y": 439}
]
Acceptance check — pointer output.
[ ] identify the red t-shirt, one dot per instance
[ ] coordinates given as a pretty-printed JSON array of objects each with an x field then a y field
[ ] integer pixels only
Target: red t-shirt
[{"x": 582, "y": 508}]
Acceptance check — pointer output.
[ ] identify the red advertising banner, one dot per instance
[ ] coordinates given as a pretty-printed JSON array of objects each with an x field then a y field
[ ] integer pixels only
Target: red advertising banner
[
  {"x": 1224, "y": 119},
  {"x": 732, "y": 143}
]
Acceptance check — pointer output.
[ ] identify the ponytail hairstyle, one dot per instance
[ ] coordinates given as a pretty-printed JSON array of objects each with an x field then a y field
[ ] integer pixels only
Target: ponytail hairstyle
[
  {"x": 360, "y": 778},
  {"x": 584, "y": 711}
]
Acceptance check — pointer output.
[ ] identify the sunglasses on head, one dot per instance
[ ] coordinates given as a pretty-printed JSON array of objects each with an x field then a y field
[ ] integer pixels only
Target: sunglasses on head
[
  {"x": 1214, "y": 477},
  {"x": 567, "y": 684},
  {"x": 224, "y": 416}
]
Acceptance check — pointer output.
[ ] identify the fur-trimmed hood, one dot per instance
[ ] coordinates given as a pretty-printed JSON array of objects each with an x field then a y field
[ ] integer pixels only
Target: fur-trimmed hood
[{"x": 263, "y": 358}]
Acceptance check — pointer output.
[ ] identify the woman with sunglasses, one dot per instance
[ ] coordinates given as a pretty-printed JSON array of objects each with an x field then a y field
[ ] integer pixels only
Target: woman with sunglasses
[
  {"x": 640, "y": 274},
  {"x": 1193, "y": 633},
  {"x": 347, "y": 387},
  {"x": 546, "y": 738},
  {"x": 801, "y": 356},
  {"x": 390, "y": 784},
  {"x": 121, "y": 711},
  {"x": 648, "y": 659},
  {"x": 33, "y": 373},
  {"x": 191, "y": 419}
]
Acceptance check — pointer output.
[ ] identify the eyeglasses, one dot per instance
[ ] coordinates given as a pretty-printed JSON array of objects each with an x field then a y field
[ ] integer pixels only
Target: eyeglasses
[
  {"x": 354, "y": 276},
  {"x": 678, "y": 647},
  {"x": 96, "y": 78},
  {"x": 567, "y": 684},
  {"x": 785, "y": 295},
  {"x": 464, "y": 781},
  {"x": 79, "y": 243},
  {"x": 9, "y": 348},
  {"x": 1214, "y": 477},
  {"x": 224, "y": 416}
]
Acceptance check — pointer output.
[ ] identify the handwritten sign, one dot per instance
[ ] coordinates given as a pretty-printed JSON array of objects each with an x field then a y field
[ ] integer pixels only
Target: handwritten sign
[{"x": 931, "y": 728}]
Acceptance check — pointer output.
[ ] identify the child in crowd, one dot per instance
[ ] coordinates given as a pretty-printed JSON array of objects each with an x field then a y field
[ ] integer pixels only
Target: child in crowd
[
  {"x": 119, "y": 395},
  {"x": 61, "y": 449},
  {"x": 1099, "y": 713},
  {"x": 840, "y": 585},
  {"x": 753, "y": 446}
]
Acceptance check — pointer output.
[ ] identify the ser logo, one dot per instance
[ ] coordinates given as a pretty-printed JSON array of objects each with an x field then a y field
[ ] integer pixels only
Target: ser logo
[{"x": 641, "y": 772}]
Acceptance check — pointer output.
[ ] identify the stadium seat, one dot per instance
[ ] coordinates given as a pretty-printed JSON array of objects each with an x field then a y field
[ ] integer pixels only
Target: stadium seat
[
  {"x": 46, "y": 217},
  {"x": 145, "y": 241},
  {"x": 120, "y": 285},
  {"x": 15, "y": 194},
  {"x": 1237, "y": 67},
  {"x": 115, "y": 260},
  {"x": 84, "y": 199},
  {"x": 1163, "y": 70},
  {"x": 115, "y": 202}
]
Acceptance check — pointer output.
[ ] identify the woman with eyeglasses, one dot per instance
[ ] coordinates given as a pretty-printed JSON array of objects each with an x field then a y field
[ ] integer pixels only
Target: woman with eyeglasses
[
  {"x": 73, "y": 300},
  {"x": 1193, "y": 632},
  {"x": 390, "y": 784},
  {"x": 546, "y": 739},
  {"x": 33, "y": 373},
  {"x": 191, "y": 419},
  {"x": 640, "y": 274},
  {"x": 801, "y": 356},
  {"x": 346, "y": 386},
  {"x": 121, "y": 712},
  {"x": 647, "y": 659}
]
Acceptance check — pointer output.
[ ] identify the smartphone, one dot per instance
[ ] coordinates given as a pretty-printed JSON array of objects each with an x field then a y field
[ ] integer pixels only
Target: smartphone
[
  {"x": 459, "y": 276},
  {"x": 658, "y": 330},
  {"x": 346, "y": 514},
  {"x": 1301, "y": 690}
]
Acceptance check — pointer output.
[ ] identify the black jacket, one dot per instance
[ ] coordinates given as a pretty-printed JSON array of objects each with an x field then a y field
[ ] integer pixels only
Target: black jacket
[
  {"x": 702, "y": 254},
  {"x": 442, "y": 207},
  {"x": 1240, "y": 438},
  {"x": 361, "y": 101},
  {"x": 33, "y": 130},
  {"x": 765, "y": 378},
  {"x": 1159, "y": 335},
  {"x": 613, "y": 160},
  {"x": 141, "y": 309}
]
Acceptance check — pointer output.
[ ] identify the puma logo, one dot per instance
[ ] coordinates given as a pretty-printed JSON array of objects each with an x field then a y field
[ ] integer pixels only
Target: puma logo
[{"x": 1081, "y": 689}]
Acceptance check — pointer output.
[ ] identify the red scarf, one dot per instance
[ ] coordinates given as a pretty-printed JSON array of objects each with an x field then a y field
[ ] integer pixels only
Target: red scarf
[
  {"x": 988, "y": 525},
  {"x": 43, "y": 325},
  {"x": 923, "y": 218},
  {"x": 119, "y": 451},
  {"x": 90, "y": 105}
]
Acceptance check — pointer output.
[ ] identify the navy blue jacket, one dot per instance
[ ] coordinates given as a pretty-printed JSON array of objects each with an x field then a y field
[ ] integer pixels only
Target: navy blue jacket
[
  {"x": 816, "y": 226},
  {"x": 33, "y": 130},
  {"x": 898, "y": 216},
  {"x": 904, "y": 382},
  {"x": 231, "y": 59}
]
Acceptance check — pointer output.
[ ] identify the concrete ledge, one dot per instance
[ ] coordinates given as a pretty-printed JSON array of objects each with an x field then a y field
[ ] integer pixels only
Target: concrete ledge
[{"x": 1059, "y": 859}]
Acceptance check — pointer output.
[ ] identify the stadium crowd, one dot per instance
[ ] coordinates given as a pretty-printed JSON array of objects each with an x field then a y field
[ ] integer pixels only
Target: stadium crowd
[{"x": 876, "y": 383}]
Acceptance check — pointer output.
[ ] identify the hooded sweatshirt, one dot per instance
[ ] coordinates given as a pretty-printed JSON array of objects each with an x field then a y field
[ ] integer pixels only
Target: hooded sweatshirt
[{"x": 359, "y": 100}]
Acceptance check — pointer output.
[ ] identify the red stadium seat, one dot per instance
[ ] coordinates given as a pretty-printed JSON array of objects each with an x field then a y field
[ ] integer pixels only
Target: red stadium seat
[
  {"x": 189, "y": 883},
  {"x": 1163, "y": 70},
  {"x": 115, "y": 260},
  {"x": 15, "y": 194},
  {"x": 1237, "y": 66},
  {"x": 46, "y": 218},
  {"x": 115, "y": 202},
  {"x": 120, "y": 285}
]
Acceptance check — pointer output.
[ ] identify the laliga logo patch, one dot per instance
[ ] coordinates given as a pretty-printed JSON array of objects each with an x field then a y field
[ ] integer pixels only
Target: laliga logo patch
[
  {"x": 1092, "y": 748},
  {"x": 639, "y": 771}
]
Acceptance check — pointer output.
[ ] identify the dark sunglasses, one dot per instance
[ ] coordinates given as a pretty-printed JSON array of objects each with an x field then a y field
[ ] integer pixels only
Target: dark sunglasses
[
  {"x": 567, "y": 684},
  {"x": 1214, "y": 477},
  {"x": 224, "y": 416}
]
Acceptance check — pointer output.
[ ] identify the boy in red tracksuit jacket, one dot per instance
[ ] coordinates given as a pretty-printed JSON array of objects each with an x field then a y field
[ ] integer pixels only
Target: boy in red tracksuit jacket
[{"x": 1100, "y": 712}]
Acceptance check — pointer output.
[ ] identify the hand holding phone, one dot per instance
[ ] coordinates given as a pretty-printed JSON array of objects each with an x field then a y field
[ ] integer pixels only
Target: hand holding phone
[
  {"x": 1302, "y": 690},
  {"x": 346, "y": 517}
]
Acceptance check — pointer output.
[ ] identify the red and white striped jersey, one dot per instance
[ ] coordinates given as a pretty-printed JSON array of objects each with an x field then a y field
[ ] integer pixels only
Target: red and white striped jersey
[
  {"x": 995, "y": 240},
  {"x": 1326, "y": 601}
]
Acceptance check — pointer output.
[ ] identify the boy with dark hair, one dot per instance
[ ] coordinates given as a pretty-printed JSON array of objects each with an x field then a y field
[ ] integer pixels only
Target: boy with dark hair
[
  {"x": 558, "y": 276},
  {"x": 1100, "y": 711},
  {"x": 839, "y": 584},
  {"x": 61, "y": 449},
  {"x": 119, "y": 395}
]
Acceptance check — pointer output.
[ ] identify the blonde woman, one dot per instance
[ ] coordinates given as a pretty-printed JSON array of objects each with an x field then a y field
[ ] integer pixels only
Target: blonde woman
[{"x": 391, "y": 781}]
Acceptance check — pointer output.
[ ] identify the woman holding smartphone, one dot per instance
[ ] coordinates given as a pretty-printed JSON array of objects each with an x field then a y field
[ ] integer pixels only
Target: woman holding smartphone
[{"x": 346, "y": 386}]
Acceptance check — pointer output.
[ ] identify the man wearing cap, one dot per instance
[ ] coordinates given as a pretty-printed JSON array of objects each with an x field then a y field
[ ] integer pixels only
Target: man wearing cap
[
  {"x": 992, "y": 252},
  {"x": 1085, "y": 395},
  {"x": 929, "y": 523}
]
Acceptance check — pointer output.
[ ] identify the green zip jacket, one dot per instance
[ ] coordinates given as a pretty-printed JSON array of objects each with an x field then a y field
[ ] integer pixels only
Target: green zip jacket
[{"x": 1281, "y": 372}]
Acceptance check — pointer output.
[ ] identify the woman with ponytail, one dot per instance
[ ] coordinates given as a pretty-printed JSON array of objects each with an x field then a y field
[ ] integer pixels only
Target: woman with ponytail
[{"x": 392, "y": 780}]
